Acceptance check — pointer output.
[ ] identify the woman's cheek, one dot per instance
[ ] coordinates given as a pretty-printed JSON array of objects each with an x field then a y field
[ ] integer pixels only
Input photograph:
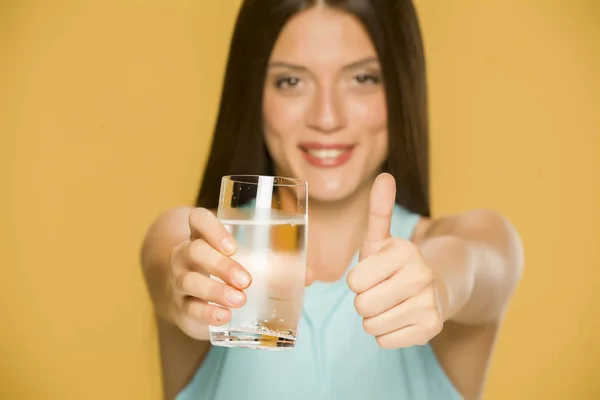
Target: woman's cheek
[{"x": 369, "y": 112}]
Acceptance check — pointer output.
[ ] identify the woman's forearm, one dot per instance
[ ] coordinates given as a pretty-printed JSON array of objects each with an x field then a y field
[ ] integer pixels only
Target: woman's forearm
[
  {"x": 477, "y": 258},
  {"x": 164, "y": 234}
]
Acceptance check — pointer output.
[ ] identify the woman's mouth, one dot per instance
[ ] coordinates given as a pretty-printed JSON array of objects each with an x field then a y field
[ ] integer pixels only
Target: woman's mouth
[{"x": 326, "y": 155}]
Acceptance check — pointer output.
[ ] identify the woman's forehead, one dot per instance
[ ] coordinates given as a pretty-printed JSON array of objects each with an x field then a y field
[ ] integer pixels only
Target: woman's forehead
[{"x": 323, "y": 36}]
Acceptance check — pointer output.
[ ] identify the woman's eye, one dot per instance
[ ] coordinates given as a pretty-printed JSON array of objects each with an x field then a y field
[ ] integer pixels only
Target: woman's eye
[
  {"x": 367, "y": 78},
  {"x": 287, "y": 82}
]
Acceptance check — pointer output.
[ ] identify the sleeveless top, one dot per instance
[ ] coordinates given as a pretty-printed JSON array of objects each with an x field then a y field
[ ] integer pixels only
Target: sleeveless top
[{"x": 334, "y": 359}]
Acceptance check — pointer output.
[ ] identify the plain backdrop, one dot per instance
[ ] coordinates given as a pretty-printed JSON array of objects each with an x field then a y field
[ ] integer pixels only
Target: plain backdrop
[{"x": 106, "y": 113}]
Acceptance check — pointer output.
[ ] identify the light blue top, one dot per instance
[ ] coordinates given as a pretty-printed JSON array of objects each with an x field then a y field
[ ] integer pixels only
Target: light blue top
[{"x": 334, "y": 359}]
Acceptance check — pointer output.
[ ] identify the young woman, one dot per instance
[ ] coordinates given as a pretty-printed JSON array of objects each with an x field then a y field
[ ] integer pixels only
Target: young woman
[{"x": 403, "y": 306}]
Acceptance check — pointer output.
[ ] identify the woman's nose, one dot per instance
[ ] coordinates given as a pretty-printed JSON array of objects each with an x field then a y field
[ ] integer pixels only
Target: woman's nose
[{"x": 326, "y": 113}]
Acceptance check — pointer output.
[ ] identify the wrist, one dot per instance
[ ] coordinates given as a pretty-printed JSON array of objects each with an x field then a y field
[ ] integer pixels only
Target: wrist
[{"x": 450, "y": 259}]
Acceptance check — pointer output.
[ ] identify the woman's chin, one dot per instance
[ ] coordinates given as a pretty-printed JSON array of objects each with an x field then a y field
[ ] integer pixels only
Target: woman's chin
[
  {"x": 330, "y": 186},
  {"x": 331, "y": 192}
]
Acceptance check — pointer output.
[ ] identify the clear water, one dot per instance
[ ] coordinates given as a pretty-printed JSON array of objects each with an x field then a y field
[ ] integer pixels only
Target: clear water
[{"x": 274, "y": 252}]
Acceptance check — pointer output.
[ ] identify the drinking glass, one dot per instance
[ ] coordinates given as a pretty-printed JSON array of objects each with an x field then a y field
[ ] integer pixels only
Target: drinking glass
[{"x": 267, "y": 216}]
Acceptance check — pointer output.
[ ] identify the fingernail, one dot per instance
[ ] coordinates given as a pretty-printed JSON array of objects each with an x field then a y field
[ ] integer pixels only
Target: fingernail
[
  {"x": 221, "y": 314},
  {"x": 228, "y": 245},
  {"x": 241, "y": 278},
  {"x": 235, "y": 296}
]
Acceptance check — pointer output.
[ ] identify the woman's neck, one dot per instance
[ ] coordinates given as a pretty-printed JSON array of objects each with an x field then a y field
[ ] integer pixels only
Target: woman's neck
[{"x": 336, "y": 231}]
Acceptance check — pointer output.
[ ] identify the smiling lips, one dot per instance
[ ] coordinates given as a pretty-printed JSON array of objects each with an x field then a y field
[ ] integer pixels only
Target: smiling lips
[{"x": 326, "y": 156}]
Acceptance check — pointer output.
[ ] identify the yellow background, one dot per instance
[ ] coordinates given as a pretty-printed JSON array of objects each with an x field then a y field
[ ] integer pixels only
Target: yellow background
[{"x": 106, "y": 108}]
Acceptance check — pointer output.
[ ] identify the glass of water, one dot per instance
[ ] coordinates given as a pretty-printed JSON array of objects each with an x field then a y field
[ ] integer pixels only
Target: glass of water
[{"x": 267, "y": 216}]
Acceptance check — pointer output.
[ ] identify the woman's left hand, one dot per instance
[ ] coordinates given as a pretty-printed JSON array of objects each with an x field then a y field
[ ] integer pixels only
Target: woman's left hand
[{"x": 395, "y": 288}]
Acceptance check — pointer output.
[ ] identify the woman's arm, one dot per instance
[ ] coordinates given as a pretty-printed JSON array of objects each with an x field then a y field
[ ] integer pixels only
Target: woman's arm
[
  {"x": 477, "y": 258},
  {"x": 184, "y": 247},
  {"x": 180, "y": 354}
]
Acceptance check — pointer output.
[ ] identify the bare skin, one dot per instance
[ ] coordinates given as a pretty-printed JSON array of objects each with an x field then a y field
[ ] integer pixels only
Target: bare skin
[{"x": 464, "y": 268}]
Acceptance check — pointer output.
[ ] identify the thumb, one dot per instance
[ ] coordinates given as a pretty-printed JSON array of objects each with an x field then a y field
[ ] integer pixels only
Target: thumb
[{"x": 381, "y": 206}]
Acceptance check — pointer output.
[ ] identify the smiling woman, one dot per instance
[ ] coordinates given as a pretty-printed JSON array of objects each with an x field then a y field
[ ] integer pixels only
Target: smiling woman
[
  {"x": 307, "y": 92},
  {"x": 324, "y": 104},
  {"x": 322, "y": 96}
]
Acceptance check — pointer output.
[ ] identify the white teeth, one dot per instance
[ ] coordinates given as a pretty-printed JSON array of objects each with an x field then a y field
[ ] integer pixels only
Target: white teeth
[{"x": 327, "y": 153}]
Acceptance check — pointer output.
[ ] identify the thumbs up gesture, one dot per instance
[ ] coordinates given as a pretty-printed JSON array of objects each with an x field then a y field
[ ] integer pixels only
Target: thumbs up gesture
[{"x": 395, "y": 291}]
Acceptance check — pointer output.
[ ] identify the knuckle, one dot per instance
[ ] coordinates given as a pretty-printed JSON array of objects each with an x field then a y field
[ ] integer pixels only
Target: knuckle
[
  {"x": 361, "y": 305},
  {"x": 404, "y": 250},
  {"x": 187, "y": 309},
  {"x": 427, "y": 274},
  {"x": 412, "y": 250},
  {"x": 198, "y": 216},
  {"x": 191, "y": 327},
  {"x": 176, "y": 251},
  {"x": 368, "y": 326},
  {"x": 351, "y": 281},
  {"x": 384, "y": 342},
  {"x": 225, "y": 265},
  {"x": 194, "y": 218},
  {"x": 195, "y": 313},
  {"x": 355, "y": 280},
  {"x": 180, "y": 281},
  {"x": 215, "y": 292},
  {"x": 174, "y": 258},
  {"x": 398, "y": 242},
  {"x": 434, "y": 325},
  {"x": 195, "y": 250}
]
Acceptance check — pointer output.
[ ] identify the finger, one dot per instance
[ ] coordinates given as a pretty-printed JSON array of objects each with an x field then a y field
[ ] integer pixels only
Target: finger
[
  {"x": 197, "y": 314},
  {"x": 410, "y": 312},
  {"x": 381, "y": 206},
  {"x": 379, "y": 299},
  {"x": 416, "y": 327},
  {"x": 402, "y": 338},
  {"x": 205, "y": 225},
  {"x": 397, "y": 318},
  {"x": 404, "y": 284},
  {"x": 205, "y": 257},
  {"x": 378, "y": 267},
  {"x": 202, "y": 287}
]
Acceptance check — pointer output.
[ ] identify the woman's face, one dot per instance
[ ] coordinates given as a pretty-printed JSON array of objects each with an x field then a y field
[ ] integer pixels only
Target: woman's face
[{"x": 324, "y": 104}]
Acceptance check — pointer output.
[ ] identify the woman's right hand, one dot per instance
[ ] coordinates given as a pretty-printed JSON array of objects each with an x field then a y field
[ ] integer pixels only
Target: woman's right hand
[{"x": 206, "y": 253}]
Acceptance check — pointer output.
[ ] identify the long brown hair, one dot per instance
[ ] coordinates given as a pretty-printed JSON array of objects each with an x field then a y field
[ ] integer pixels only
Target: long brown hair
[{"x": 238, "y": 144}]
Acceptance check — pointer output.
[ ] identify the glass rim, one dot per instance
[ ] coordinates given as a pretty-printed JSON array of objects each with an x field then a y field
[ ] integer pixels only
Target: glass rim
[{"x": 277, "y": 180}]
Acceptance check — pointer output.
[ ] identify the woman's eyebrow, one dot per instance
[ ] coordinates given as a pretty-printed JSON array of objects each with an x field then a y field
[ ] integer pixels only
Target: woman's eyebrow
[{"x": 362, "y": 61}]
